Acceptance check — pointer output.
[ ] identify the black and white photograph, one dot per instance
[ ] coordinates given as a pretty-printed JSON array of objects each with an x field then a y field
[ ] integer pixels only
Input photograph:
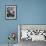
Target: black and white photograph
[{"x": 10, "y": 12}]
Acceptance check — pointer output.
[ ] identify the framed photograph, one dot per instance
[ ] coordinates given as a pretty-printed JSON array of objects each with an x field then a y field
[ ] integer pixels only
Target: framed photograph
[{"x": 10, "y": 12}]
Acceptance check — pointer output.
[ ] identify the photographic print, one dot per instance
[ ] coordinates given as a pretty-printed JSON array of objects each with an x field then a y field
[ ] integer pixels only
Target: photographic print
[
  {"x": 32, "y": 32},
  {"x": 10, "y": 12}
]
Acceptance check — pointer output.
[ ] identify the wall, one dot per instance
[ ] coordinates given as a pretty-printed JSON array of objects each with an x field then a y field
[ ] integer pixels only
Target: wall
[{"x": 28, "y": 12}]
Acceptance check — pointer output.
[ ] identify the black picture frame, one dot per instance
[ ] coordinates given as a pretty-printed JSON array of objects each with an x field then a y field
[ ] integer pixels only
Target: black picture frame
[{"x": 10, "y": 12}]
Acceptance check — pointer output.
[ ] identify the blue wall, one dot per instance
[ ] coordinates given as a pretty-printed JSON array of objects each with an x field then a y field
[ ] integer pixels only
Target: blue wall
[{"x": 28, "y": 12}]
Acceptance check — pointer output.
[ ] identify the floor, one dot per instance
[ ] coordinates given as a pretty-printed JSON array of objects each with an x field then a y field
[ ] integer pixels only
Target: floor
[
  {"x": 30, "y": 43},
  {"x": 7, "y": 45}
]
